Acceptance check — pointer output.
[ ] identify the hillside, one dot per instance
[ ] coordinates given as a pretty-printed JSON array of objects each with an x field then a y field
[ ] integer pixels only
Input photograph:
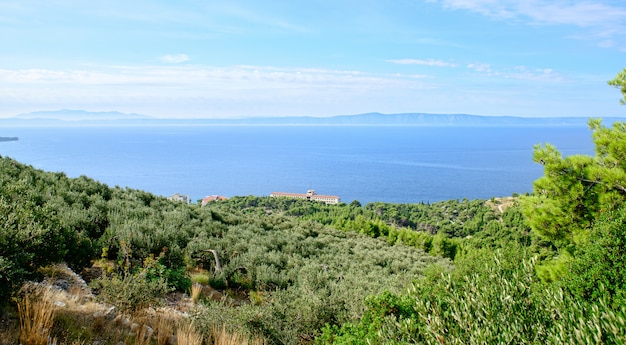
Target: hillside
[
  {"x": 292, "y": 276},
  {"x": 541, "y": 268}
]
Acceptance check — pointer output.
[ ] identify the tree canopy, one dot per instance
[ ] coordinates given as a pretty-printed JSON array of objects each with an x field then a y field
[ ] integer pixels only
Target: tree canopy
[
  {"x": 620, "y": 82},
  {"x": 577, "y": 189}
]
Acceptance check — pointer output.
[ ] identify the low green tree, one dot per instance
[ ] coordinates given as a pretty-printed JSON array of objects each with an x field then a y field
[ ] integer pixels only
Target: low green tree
[
  {"x": 620, "y": 82},
  {"x": 576, "y": 189}
]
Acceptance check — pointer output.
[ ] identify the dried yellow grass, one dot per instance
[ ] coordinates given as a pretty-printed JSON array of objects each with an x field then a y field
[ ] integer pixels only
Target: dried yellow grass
[
  {"x": 37, "y": 310},
  {"x": 36, "y": 314},
  {"x": 223, "y": 337},
  {"x": 187, "y": 335},
  {"x": 143, "y": 335},
  {"x": 196, "y": 291},
  {"x": 163, "y": 329}
]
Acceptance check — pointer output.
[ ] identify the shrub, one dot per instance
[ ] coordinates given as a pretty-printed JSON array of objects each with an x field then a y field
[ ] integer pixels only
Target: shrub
[
  {"x": 131, "y": 291},
  {"x": 176, "y": 279},
  {"x": 598, "y": 269},
  {"x": 492, "y": 300}
]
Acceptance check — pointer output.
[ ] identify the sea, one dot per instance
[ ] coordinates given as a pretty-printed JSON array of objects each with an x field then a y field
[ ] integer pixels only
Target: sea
[{"x": 393, "y": 164}]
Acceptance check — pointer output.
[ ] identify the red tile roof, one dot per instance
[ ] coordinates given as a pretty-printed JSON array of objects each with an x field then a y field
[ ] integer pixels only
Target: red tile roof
[{"x": 213, "y": 198}]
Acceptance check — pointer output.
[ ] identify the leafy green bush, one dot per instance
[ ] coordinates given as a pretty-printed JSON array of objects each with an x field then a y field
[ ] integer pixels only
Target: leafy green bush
[
  {"x": 176, "y": 279},
  {"x": 132, "y": 291},
  {"x": 46, "y": 218}
]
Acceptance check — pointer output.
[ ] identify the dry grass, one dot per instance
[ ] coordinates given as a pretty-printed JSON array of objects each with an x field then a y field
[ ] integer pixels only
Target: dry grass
[
  {"x": 36, "y": 315},
  {"x": 196, "y": 292},
  {"x": 187, "y": 335},
  {"x": 223, "y": 337},
  {"x": 51, "y": 316},
  {"x": 164, "y": 330},
  {"x": 143, "y": 335}
]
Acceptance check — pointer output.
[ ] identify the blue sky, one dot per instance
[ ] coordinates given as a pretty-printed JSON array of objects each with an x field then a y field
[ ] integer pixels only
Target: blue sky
[{"x": 243, "y": 58}]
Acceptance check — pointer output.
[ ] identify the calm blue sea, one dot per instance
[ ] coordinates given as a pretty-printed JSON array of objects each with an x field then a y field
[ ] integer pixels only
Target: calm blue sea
[{"x": 389, "y": 164}]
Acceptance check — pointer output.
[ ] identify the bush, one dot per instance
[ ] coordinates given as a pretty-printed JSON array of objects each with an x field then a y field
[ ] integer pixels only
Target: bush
[
  {"x": 132, "y": 291},
  {"x": 598, "y": 269},
  {"x": 487, "y": 300}
]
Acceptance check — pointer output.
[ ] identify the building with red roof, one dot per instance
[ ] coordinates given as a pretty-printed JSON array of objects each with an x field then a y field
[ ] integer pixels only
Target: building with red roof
[{"x": 208, "y": 199}]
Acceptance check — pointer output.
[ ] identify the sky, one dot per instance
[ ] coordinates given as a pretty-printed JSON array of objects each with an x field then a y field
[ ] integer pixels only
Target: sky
[{"x": 244, "y": 58}]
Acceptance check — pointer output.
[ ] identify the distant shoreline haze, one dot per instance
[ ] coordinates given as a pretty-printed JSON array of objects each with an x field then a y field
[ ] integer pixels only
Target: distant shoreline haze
[{"x": 81, "y": 117}]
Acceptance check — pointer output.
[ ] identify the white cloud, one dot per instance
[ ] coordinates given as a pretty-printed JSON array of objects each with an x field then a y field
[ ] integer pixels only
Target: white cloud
[
  {"x": 242, "y": 91},
  {"x": 196, "y": 90},
  {"x": 573, "y": 12},
  {"x": 427, "y": 62},
  {"x": 222, "y": 77},
  {"x": 496, "y": 8},
  {"x": 606, "y": 44},
  {"x": 479, "y": 67},
  {"x": 174, "y": 58},
  {"x": 602, "y": 19},
  {"x": 518, "y": 73}
]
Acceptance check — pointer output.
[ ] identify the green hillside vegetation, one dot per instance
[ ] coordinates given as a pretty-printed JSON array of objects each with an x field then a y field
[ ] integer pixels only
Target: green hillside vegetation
[
  {"x": 287, "y": 276},
  {"x": 562, "y": 283},
  {"x": 290, "y": 266},
  {"x": 549, "y": 268}
]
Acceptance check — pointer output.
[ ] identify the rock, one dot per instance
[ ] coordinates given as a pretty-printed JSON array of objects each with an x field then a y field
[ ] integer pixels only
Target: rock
[
  {"x": 59, "y": 304},
  {"x": 209, "y": 292},
  {"x": 110, "y": 313},
  {"x": 63, "y": 284},
  {"x": 121, "y": 320}
]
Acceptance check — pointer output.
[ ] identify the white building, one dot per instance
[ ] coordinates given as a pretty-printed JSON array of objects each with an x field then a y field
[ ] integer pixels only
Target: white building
[
  {"x": 180, "y": 197},
  {"x": 310, "y": 195}
]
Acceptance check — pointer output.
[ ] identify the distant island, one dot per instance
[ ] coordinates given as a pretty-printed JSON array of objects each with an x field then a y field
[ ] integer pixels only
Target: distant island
[
  {"x": 9, "y": 138},
  {"x": 67, "y": 117}
]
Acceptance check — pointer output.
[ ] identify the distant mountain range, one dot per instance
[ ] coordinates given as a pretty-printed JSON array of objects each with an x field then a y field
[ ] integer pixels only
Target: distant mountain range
[
  {"x": 82, "y": 117},
  {"x": 79, "y": 115}
]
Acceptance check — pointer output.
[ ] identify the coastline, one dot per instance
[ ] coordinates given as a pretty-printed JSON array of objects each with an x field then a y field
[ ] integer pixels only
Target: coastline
[{"x": 9, "y": 138}]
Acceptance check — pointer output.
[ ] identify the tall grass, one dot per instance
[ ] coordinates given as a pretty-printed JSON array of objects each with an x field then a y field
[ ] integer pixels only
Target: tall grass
[
  {"x": 187, "y": 335},
  {"x": 36, "y": 314},
  {"x": 196, "y": 291},
  {"x": 164, "y": 330},
  {"x": 223, "y": 337}
]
